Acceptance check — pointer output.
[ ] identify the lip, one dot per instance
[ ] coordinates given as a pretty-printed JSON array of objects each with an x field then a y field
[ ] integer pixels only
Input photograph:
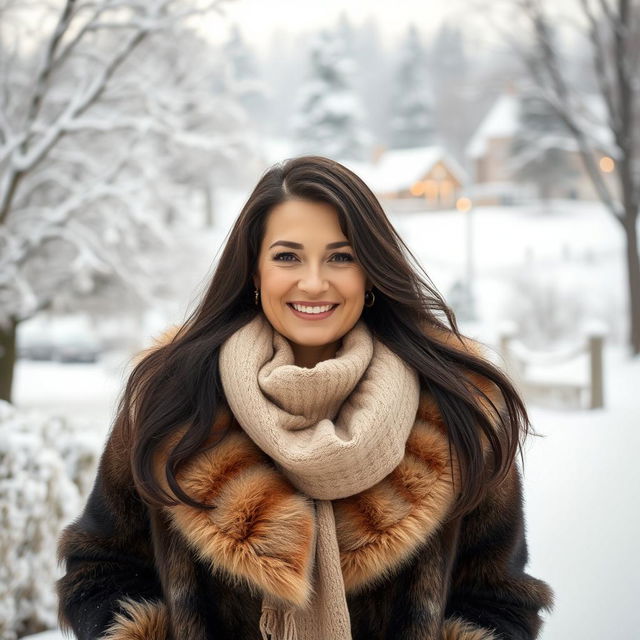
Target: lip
[{"x": 315, "y": 316}]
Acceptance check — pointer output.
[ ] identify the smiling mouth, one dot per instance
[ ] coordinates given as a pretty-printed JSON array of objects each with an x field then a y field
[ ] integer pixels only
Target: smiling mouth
[{"x": 310, "y": 315}]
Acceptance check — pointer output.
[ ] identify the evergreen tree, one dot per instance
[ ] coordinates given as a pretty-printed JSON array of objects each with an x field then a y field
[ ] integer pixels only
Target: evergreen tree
[
  {"x": 456, "y": 108},
  {"x": 242, "y": 76},
  {"x": 330, "y": 118},
  {"x": 375, "y": 76},
  {"x": 412, "y": 111}
]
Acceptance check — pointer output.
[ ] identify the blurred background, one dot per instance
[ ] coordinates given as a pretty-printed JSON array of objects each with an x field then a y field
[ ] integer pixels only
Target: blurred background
[{"x": 502, "y": 141}]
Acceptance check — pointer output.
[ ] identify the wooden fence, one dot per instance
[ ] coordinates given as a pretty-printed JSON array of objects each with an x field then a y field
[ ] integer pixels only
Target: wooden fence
[{"x": 583, "y": 391}]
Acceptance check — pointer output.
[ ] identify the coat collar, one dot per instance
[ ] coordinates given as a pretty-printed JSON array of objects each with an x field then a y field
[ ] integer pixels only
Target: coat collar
[{"x": 262, "y": 529}]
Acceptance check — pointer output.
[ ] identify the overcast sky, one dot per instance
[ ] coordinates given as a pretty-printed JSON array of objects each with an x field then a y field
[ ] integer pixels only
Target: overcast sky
[{"x": 259, "y": 19}]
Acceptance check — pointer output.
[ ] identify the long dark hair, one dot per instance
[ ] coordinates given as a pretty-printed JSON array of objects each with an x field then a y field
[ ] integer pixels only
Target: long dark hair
[{"x": 178, "y": 383}]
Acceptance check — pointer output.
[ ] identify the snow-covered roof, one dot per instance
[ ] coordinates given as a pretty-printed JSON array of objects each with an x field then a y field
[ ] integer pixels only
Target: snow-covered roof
[
  {"x": 500, "y": 122},
  {"x": 398, "y": 169}
]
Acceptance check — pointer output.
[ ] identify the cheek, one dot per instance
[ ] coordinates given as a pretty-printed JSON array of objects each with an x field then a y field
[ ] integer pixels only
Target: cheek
[
  {"x": 275, "y": 282},
  {"x": 352, "y": 285}
]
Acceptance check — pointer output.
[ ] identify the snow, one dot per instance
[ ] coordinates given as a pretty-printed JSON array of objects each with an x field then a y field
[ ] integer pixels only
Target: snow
[
  {"x": 47, "y": 467},
  {"x": 573, "y": 251},
  {"x": 583, "y": 523},
  {"x": 500, "y": 122},
  {"x": 87, "y": 391}
]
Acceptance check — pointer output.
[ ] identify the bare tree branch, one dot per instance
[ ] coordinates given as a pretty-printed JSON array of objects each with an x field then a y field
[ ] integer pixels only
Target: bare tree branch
[
  {"x": 562, "y": 101},
  {"x": 45, "y": 68},
  {"x": 24, "y": 159},
  {"x": 599, "y": 63}
]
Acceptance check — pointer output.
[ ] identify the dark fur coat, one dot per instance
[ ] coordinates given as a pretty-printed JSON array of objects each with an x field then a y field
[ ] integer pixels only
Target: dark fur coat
[{"x": 181, "y": 573}]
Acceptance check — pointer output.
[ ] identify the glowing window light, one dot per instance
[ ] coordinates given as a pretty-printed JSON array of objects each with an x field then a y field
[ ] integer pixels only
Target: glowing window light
[
  {"x": 431, "y": 191},
  {"x": 418, "y": 188}
]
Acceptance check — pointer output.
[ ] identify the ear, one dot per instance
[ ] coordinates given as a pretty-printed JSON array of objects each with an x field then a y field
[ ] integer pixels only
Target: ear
[{"x": 256, "y": 281}]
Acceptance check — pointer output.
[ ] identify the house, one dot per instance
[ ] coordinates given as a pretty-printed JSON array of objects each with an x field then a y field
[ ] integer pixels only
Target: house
[
  {"x": 413, "y": 179},
  {"x": 495, "y": 171}
]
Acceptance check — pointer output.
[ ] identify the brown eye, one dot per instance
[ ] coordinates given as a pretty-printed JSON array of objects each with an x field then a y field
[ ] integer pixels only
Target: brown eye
[
  {"x": 347, "y": 257},
  {"x": 280, "y": 256}
]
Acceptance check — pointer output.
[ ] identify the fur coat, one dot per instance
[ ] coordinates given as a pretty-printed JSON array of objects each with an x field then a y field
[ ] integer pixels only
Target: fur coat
[{"x": 135, "y": 572}]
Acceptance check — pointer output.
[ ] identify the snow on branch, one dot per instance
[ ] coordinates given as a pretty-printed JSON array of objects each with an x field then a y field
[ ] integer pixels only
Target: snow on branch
[{"x": 147, "y": 18}]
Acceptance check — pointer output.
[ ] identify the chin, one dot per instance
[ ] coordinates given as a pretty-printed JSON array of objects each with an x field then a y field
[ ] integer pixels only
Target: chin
[{"x": 313, "y": 337}]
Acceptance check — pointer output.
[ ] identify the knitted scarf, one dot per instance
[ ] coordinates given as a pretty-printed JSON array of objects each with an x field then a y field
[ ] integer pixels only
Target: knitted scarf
[{"x": 333, "y": 430}]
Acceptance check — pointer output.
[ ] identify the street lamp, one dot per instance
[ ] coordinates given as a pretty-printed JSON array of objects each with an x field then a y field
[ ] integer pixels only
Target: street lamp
[{"x": 465, "y": 206}]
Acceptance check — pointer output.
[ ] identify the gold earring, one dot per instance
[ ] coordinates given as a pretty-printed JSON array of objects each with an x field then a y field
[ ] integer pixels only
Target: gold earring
[
  {"x": 257, "y": 295},
  {"x": 372, "y": 298}
]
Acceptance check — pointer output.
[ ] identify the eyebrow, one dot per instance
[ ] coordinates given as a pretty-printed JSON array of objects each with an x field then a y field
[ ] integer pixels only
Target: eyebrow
[{"x": 297, "y": 245}]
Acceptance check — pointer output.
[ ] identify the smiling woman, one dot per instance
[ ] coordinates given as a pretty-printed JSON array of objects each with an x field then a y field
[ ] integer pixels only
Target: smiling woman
[
  {"x": 314, "y": 293},
  {"x": 315, "y": 454}
]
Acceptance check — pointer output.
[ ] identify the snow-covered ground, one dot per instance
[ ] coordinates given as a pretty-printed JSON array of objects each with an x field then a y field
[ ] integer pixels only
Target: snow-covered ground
[
  {"x": 581, "y": 477},
  {"x": 571, "y": 250},
  {"x": 581, "y": 500}
]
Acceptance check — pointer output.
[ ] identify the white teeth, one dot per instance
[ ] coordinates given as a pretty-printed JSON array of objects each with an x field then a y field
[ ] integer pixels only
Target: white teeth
[{"x": 322, "y": 309}]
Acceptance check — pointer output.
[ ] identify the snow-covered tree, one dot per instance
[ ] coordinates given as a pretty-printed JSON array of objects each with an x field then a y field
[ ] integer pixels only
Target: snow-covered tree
[
  {"x": 242, "y": 78},
  {"x": 456, "y": 103},
  {"x": 104, "y": 119},
  {"x": 539, "y": 150},
  {"x": 330, "y": 118},
  {"x": 374, "y": 77},
  {"x": 412, "y": 107}
]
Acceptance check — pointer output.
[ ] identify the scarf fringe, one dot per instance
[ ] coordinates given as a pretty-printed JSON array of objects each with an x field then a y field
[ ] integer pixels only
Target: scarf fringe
[{"x": 269, "y": 624}]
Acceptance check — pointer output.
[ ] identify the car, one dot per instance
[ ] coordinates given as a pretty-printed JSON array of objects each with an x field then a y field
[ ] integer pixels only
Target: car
[{"x": 60, "y": 338}]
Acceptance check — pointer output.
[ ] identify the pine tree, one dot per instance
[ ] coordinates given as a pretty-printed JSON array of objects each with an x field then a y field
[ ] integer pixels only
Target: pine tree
[
  {"x": 412, "y": 111},
  {"x": 455, "y": 107},
  {"x": 330, "y": 117},
  {"x": 242, "y": 76}
]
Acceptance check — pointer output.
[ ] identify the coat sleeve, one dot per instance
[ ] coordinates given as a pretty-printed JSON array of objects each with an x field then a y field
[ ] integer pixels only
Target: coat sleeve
[
  {"x": 491, "y": 597},
  {"x": 110, "y": 588}
]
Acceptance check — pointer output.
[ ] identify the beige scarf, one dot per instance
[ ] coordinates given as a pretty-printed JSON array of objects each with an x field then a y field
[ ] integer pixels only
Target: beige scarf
[{"x": 334, "y": 430}]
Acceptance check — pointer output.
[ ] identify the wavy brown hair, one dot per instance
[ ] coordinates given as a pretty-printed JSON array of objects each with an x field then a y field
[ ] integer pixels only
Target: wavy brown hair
[{"x": 178, "y": 383}]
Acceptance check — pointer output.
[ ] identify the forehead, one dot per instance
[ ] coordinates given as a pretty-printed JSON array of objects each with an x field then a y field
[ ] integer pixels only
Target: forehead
[{"x": 302, "y": 217}]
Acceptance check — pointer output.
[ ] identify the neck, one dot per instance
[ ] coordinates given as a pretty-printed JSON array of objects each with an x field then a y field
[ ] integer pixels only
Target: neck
[{"x": 308, "y": 356}]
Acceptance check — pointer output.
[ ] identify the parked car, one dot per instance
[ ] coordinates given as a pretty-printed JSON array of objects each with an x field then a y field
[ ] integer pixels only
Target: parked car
[{"x": 62, "y": 339}]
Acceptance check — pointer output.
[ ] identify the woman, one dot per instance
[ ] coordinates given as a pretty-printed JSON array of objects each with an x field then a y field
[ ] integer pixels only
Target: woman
[{"x": 314, "y": 455}]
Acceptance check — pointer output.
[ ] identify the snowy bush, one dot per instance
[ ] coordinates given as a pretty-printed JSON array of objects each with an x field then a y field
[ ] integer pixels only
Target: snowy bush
[
  {"x": 551, "y": 306},
  {"x": 47, "y": 465}
]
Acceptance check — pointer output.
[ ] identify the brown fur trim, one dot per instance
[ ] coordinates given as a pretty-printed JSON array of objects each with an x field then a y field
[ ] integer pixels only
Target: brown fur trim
[
  {"x": 380, "y": 528},
  {"x": 459, "y": 629},
  {"x": 261, "y": 531},
  {"x": 142, "y": 620}
]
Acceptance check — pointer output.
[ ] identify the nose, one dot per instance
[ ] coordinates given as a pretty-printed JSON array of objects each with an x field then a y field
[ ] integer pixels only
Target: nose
[{"x": 313, "y": 281}]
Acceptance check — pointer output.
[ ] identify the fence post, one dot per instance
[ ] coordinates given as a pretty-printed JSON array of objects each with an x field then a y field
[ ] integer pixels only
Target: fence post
[{"x": 596, "y": 341}]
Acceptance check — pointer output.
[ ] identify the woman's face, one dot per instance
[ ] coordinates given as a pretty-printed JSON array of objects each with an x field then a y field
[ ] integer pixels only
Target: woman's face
[{"x": 306, "y": 260}]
